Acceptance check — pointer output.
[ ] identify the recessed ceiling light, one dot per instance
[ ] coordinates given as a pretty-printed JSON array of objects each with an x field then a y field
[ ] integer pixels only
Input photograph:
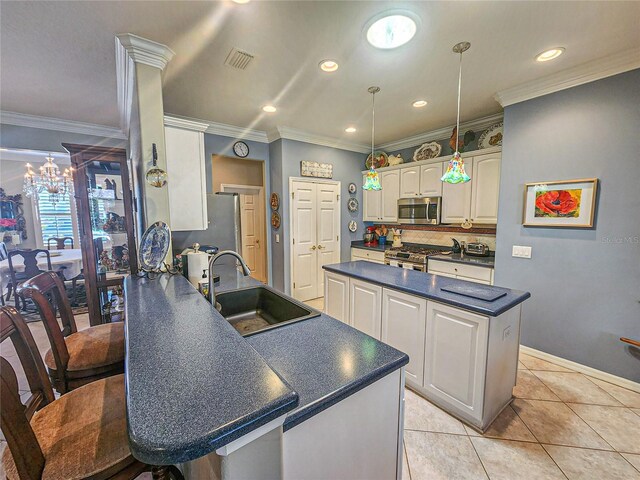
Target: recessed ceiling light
[
  {"x": 241, "y": 1},
  {"x": 328, "y": 66},
  {"x": 420, "y": 103},
  {"x": 350, "y": 129},
  {"x": 269, "y": 108},
  {"x": 391, "y": 29},
  {"x": 550, "y": 54}
]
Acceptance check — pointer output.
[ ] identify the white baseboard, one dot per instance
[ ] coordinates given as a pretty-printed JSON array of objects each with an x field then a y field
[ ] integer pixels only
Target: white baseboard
[{"x": 578, "y": 367}]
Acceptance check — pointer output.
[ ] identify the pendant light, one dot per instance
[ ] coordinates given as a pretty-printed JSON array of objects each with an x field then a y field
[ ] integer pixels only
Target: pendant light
[
  {"x": 455, "y": 170},
  {"x": 372, "y": 182}
]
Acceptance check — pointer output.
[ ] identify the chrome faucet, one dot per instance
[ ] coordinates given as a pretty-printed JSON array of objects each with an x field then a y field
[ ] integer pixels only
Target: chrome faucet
[{"x": 245, "y": 270}]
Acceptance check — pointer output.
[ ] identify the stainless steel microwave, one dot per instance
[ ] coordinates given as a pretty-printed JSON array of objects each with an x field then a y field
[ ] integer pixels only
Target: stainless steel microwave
[{"x": 419, "y": 210}]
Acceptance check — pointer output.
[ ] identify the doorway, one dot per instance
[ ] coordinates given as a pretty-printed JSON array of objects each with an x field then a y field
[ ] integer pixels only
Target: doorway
[
  {"x": 252, "y": 226},
  {"x": 315, "y": 234}
]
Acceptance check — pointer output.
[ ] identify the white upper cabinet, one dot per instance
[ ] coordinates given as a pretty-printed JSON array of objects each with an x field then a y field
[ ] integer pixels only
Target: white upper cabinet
[
  {"x": 186, "y": 180},
  {"x": 485, "y": 185},
  {"x": 390, "y": 182},
  {"x": 410, "y": 181},
  {"x": 372, "y": 204},
  {"x": 456, "y": 198},
  {"x": 430, "y": 183}
]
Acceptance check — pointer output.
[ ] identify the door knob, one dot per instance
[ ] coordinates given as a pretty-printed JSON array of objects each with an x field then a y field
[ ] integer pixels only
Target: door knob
[
  {"x": 320, "y": 247},
  {"x": 313, "y": 248}
]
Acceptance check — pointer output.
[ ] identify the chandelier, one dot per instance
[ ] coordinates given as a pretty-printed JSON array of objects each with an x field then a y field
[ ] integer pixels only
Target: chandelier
[{"x": 49, "y": 180}]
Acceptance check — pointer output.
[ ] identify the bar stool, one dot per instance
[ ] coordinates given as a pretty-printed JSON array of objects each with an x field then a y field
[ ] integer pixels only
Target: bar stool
[
  {"x": 83, "y": 434},
  {"x": 75, "y": 357}
]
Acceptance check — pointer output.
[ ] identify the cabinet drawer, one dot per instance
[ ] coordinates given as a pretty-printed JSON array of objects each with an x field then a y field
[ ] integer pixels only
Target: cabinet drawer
[
  {"x": 372, "y": 255},
  {"x": 471, "y": 272}
]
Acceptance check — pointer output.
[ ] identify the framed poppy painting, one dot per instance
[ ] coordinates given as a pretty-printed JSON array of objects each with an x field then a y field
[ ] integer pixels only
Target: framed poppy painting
[{"x": 565, "y": 203}]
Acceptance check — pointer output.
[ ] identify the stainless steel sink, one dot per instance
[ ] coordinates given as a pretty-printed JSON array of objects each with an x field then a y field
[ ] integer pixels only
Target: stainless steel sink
[{"x": 256, "y": 309}]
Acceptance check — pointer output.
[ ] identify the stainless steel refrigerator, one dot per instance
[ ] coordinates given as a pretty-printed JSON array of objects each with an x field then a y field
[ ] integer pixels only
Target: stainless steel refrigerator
[{"x": 224, "y": 232}]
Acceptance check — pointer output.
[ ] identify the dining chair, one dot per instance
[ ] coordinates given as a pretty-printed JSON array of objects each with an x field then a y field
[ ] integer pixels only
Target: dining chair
[
  {"x": 76, "y": 357},
  {"x": 31, "y": 269},
  {"x": 60, "y": 242},
  {"x": 82, "y": 434}
]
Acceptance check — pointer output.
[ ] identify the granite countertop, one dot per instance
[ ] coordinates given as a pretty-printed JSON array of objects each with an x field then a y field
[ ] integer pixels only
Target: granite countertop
[
  {"x": 376, "y": 247},
  {"x": 194, "y": 384},
  {"x": 430, "y": 286},
  {"x": 488, "y": 262}
]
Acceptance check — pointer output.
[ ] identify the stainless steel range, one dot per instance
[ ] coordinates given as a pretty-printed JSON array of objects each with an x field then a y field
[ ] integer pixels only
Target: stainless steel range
[{"x": 411, "y": 257}]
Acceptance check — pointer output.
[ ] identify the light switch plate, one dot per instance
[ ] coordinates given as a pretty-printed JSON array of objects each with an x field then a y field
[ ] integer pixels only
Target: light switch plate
[
  {"x": 521, "y": 252},
  {"x": 277, "y": 238}
]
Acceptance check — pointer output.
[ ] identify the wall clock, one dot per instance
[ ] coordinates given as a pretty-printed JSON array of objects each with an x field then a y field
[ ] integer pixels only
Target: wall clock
[{"x": 241, "y": 149}]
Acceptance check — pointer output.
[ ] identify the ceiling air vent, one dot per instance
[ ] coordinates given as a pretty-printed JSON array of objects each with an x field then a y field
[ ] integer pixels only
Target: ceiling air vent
[{"x": 238, "y": 59}]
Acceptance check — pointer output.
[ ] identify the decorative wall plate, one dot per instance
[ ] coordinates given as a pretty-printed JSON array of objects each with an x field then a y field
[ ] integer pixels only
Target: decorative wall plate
[
  {"x": 382, "y": 160},
  {"x": 396, "y": 159},
  {"x": 352, "y": 188},
  {"x": 352, "y": 204},
  {"x": 154, "y": 246},
  {"x": 275, "y": 220},
  {"x": 427, "y": 151},
  {"x": 491, "y": 137},
  {"x": 275, "y": 201},
  {"x": 353, "y": 226}
]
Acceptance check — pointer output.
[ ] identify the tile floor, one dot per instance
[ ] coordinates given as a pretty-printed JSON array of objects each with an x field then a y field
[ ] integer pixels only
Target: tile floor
[{"x": 562, "y": 424}]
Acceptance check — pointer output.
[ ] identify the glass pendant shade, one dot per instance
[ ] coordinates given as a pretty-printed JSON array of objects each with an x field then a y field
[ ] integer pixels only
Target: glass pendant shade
[
  {"x": 372, "y": 180},
  {"x": 455, "y": 171},
  {"x": 156, "y": 177}
]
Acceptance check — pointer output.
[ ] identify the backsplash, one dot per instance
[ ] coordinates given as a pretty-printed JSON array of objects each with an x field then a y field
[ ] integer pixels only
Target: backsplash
[{"x": 444, "y": 238}]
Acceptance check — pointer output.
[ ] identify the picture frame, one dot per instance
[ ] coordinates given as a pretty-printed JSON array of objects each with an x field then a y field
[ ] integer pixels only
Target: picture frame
[
  {"x": 560, "y": 203},
  {"x": 316, "y": 169}
]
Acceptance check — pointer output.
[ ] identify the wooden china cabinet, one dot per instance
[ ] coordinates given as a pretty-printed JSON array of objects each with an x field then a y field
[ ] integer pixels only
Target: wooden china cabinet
[{"x": 105, "y": 220}]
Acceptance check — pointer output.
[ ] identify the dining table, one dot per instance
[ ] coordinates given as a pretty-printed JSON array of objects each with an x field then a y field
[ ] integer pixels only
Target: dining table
[{"x": 69, "y": 261}]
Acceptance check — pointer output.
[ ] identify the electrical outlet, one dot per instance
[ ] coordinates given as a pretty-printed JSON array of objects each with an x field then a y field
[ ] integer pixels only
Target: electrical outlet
[
  {"x": 506, "y": 333},
  {"x": 521, "y": 252}
]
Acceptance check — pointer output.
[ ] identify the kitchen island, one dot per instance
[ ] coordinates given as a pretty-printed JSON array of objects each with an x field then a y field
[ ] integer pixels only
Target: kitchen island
[
  {"x": 462, "y": 337},
  {"x": 307, "y": 399}
]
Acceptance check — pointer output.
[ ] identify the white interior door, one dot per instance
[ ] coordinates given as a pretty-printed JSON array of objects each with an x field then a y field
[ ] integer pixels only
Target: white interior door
[
  {"x": 252, "y": 242},
  {"x": 328, "y": 228},
  {"x": 304, "y": 240},
  {"x": 252, "y": 221}
]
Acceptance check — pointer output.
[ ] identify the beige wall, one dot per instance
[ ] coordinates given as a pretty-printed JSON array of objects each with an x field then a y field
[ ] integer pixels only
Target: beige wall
[
  {"x": 236, "y": 171},
  {"x": 11, "y": 178}
]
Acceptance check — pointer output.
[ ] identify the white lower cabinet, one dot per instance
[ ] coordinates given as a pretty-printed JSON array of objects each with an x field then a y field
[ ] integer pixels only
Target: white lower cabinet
[
  {"x": 455, "y": 360},
  {"x": 369, "y": 255},
  {"x": 365, "y": 307},
  {"x": 464, "y": 362},
  {"x": 471, "y": 273},
  {"x": 336, "y": 288},
  {"x": 403, "y": 327}
]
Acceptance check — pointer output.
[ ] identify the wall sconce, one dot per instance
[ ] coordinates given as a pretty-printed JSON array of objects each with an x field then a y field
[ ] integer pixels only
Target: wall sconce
[{"x": 156, "y": 177}]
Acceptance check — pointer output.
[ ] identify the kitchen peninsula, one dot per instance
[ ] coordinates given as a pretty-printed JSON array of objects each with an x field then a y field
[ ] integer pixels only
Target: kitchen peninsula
[
  {"x": 310, "y": 399},
  {"x": 462, "y": 337}
]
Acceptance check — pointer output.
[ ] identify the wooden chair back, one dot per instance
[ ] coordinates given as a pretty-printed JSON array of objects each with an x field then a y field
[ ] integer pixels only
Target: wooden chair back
[
  {"x": 48, "y": 293},
  {"x": 30, "y": 259},
  {"x": 15, "y": 415},
  {"x": 60, "y": 242}
]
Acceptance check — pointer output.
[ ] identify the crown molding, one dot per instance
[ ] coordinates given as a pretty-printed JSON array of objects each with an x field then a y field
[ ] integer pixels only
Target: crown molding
[
  {"x": 58, "y": 124},
  {"x": 439, "y": 134},
  {"x": 33, "y": 156},
  {"x": 148, "y": 52},
  {"x": 237, "y": 132},
  {"x": 301, "y": 136},
  {"x": 187, "y": 124},
  {"x": 571, "y": 77}
]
